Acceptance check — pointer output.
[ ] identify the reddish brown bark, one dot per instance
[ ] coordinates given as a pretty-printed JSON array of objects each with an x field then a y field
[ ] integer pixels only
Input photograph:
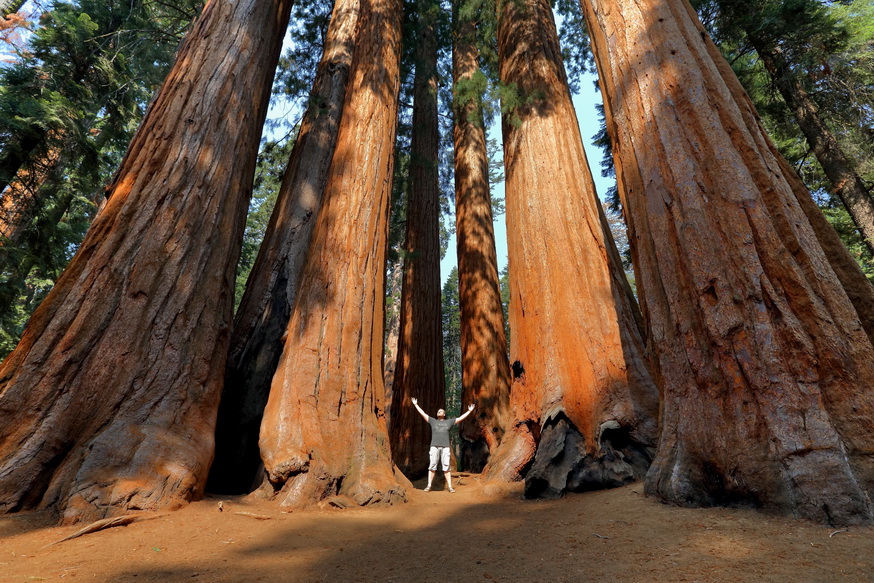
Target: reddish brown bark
[
  {"x": 109, "y": 401},
  {"x": 485, "y": 368},
  {"x": 419, "y": 366},
  {"x": 846, "y": 183},
  {"x": 856, "y": 284},
  {"x": 583, "y": 400},
  {"x": 764, "y": 360},
  {"x": 324, "y": 431},
  {"x": 261, "y": 320}
]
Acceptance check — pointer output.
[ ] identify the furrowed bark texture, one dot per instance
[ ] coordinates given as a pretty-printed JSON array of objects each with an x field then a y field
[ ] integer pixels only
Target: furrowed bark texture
[
  {"x": 419, "y": 365},
  {"x": 324, "y": 430},
  {"x": 840, "y": 170},
  {"x": 262, "y": 318},
  {"x": 485, "y": 369},
  {"x": 856, "y": 284},
  {"x": 109, "y": 401},
  {"x": 584, "y": 403},
  {"x": 765, "y": 364}
]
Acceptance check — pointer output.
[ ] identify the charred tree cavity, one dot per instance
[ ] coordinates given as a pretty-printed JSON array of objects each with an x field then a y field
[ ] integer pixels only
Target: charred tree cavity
[{"x": 562, "y": 463}]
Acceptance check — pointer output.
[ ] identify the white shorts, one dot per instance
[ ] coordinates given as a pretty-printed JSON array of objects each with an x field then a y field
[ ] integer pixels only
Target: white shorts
[{"x": 439, "y": 453}]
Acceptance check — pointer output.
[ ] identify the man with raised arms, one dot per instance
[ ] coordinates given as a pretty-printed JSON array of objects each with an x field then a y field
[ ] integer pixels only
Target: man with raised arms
[{"x": 440, "y": 441}]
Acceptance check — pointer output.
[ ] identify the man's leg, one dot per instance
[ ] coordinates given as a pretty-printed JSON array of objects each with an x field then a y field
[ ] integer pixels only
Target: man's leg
[
  {"x": 433, "y": 455},
  {"x": 446, "y": 470}
]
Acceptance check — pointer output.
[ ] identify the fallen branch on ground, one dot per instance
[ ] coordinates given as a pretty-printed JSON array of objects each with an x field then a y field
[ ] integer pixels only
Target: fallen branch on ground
[
  {"x": 253, "y": 515},
  {"x": 108, "y": 523}
]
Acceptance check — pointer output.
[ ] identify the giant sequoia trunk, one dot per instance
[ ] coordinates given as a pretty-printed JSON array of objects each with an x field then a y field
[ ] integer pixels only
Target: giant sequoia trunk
[
  {"x": 840, "y": 170},
  {"x": 583, "y": 401},
  {"x": 109, "y": 401},
  {"x": 854, "y": 281},
  {"x": 485, "y": 370},
  {"x": 765, "y": 363},
  {"x": 419, "y": 366},
  {"x": 261, "y": 320},
  {"x": 324, "y": 431}
]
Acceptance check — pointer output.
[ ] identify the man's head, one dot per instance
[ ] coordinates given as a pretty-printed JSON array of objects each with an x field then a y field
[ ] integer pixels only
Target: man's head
[{"x": 441, "y": 414}]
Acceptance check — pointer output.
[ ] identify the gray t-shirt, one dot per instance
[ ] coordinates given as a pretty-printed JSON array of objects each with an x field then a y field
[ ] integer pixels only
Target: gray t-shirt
[{"x": 440, "y": 431}]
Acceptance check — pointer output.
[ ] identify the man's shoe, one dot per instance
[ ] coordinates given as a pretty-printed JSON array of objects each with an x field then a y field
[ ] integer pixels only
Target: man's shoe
[
  {"x": 452, "y": 489},
  {"x": 428, "y": 489}
]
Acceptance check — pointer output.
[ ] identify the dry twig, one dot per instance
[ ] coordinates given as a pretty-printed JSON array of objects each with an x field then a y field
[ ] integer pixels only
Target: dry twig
[{"x": 255, "y": 516}]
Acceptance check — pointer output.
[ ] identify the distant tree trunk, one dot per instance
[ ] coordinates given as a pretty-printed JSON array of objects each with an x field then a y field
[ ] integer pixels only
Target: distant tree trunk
[
  {"x": 485, "y": 369},
  {"x": 14, "y": 156},
  {"x": 324, "y": 430},
  {"x": 763, "y": 358},
  {"x": 261, "y": 320},
  {"x": 584, "y": 404},
  {"x": 419, "y": 366},
  {"x": 840, "y": 170},
  {"x": 16, "y": 203},
  {"x": 392, "y": 332},
  {"x": 109, "y": 401},
  {"x": 8, "y": 7},
  {"x": 20, "y": 200}
]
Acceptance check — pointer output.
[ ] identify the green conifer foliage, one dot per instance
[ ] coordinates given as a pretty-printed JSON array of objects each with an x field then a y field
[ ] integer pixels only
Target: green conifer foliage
[{"x": 68, "y": 108}]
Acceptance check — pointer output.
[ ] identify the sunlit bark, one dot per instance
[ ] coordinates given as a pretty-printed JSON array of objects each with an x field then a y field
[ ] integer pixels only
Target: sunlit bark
[
  {"x": 261, "y": 319},
  {"x": 766, "y": 365},
  {"x": 323, "y": 431},
  {"x": 109, "y": 401},
  {"x": 583, "y": 402}
]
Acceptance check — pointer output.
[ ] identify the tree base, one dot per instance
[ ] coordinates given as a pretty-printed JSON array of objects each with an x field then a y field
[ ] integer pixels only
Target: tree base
[
  {"x": 474, "y": 455},
  {"x": 311, "y": 488},
  {"x": 562, "y": 464},
  {"x": 819, "y": 486}
]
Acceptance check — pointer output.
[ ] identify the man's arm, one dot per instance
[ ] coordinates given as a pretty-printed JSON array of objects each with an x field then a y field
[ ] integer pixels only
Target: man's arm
[
  {"x": 419, "y": 409},
  {"x": 469, "y": 411}
]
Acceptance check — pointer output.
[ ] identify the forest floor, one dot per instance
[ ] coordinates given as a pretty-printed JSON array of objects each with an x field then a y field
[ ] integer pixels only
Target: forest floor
[{"x": 480, "y": 534}]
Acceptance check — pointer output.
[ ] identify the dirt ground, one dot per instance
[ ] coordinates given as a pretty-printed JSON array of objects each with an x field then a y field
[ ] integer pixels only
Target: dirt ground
[{"x": 479, "y": 533}]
